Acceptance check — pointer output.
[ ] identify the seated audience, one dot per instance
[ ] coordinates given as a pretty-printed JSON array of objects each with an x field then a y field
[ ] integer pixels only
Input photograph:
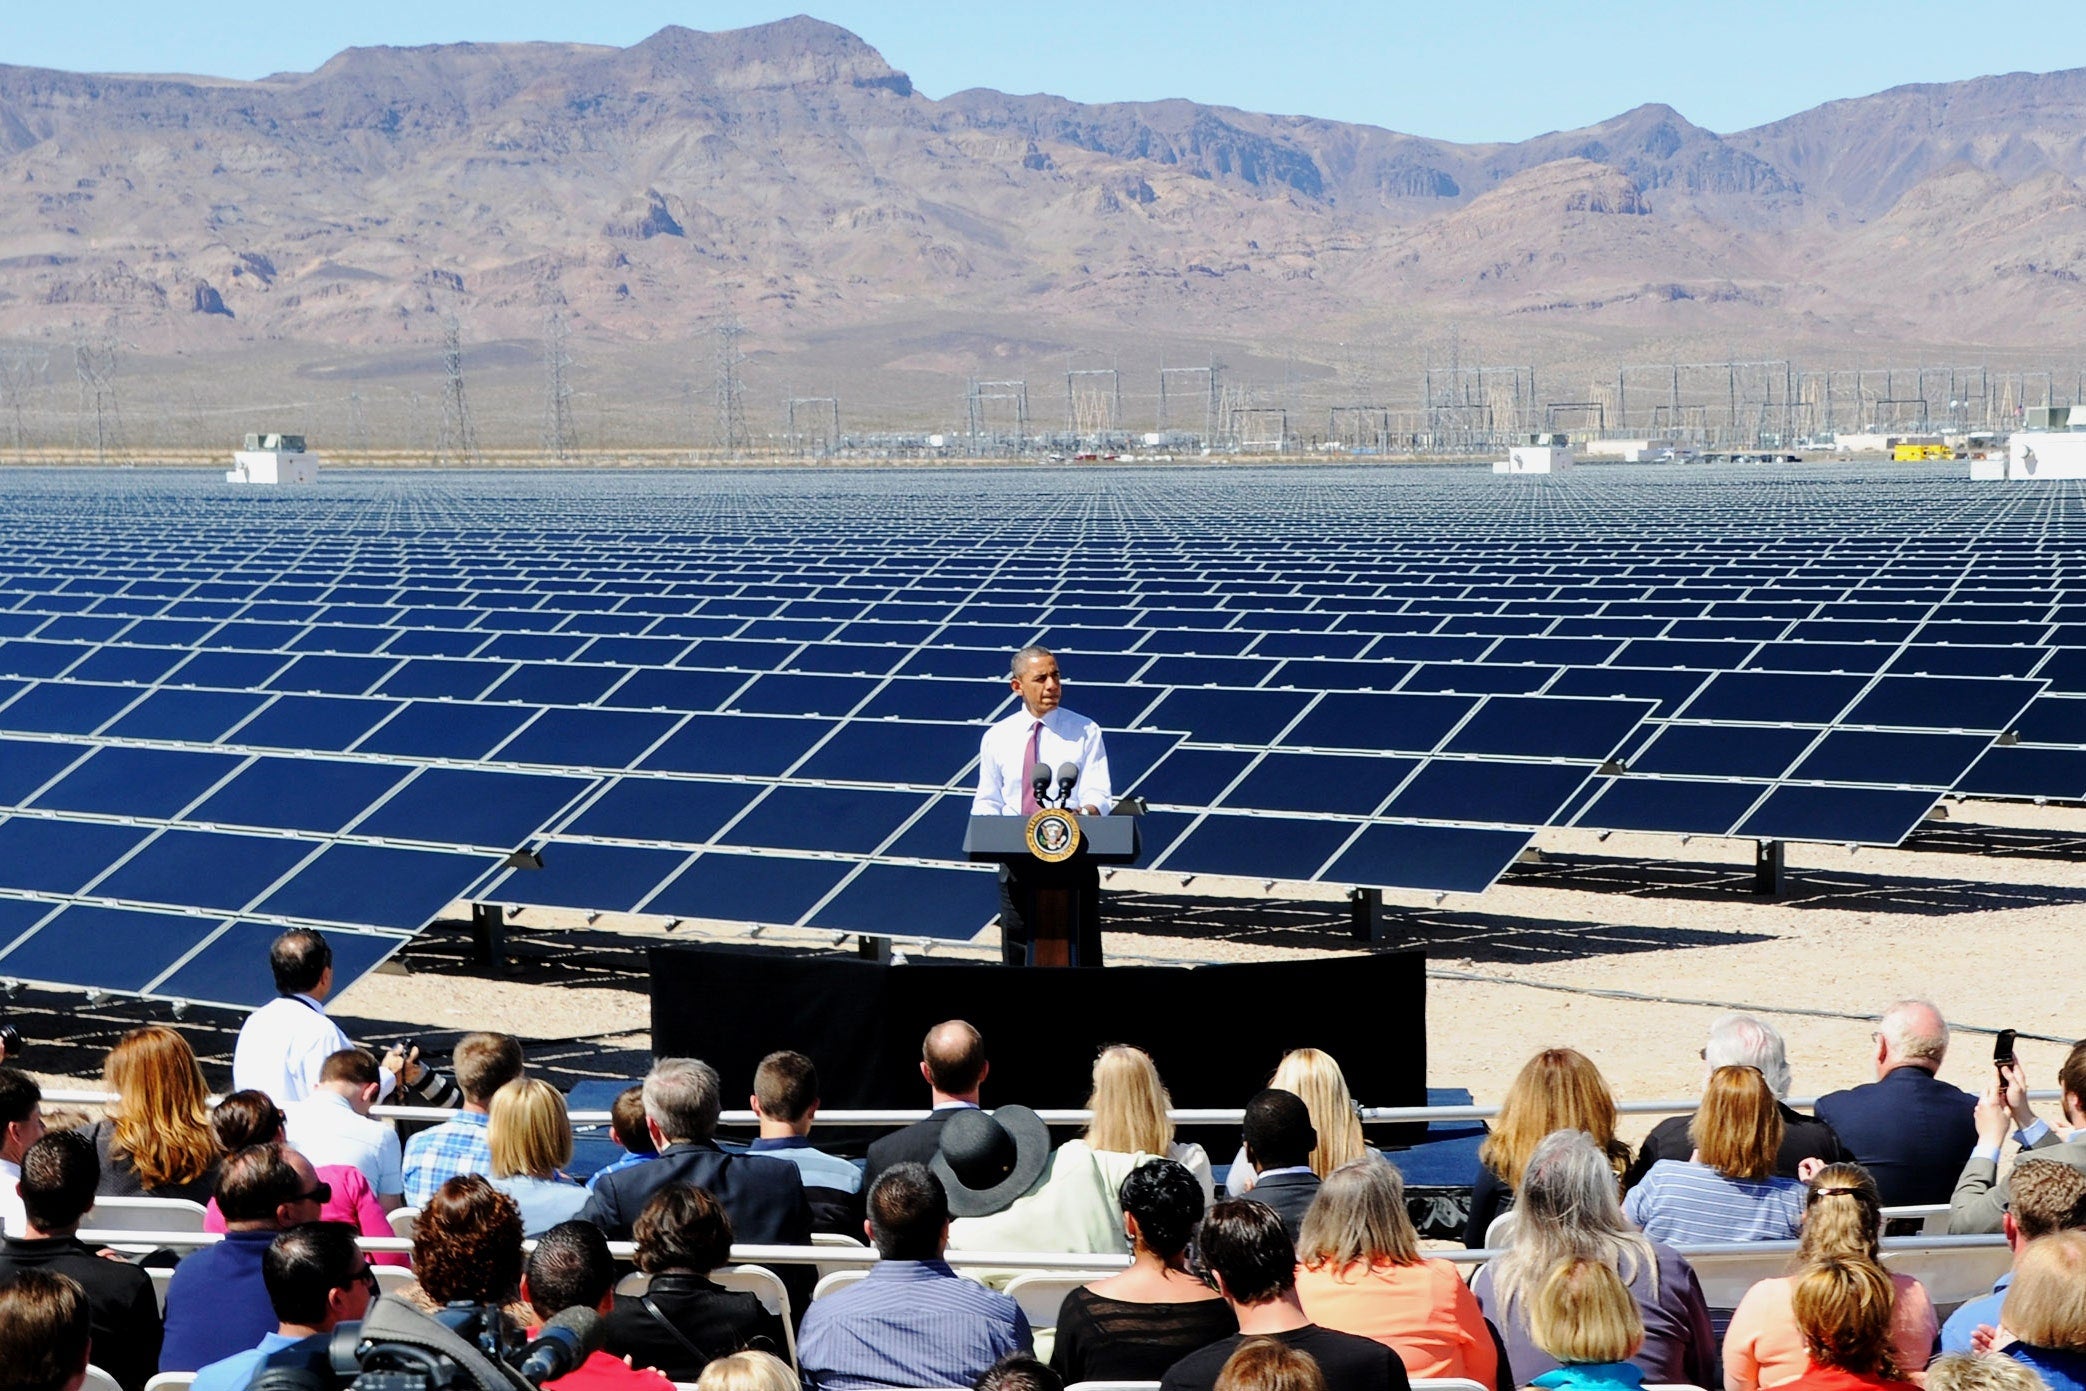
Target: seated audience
[
  {"x": 1008, "y": 1190},
  {"x": 1843, "y": 1217},
  {"x": 1729, "y": 1190},
  {"x": 684, "y": 1321},
  {"x": 749, "y": 1371},
  {"x": 911, "y": 1321},
  {"x": 45, "y": 1337},
  {"x": 1568, "y": 1211},
  {"x": 1584, "y": 1317},
  {"x": 217, "y": 1303},
  {"x": 1991, "y": 1371},
  {"x": 785, "y": 1098},
  {"x": 21, "y": 1125},
  {"x": 2042, "y": 1321},
  {"x": 250, "y": 1118},
  {"x": 530, "y": 1135},
  {"x": 954, "y": 1066},
  {"x": 571, "y": 1269},
  {"x": 1132, "y": 1116},
  {"x": 1557, "y": 1089},
  {"x": 1360, "y": 1271},
  {"x": 57, "y": 1182},
  {"x": 1018, "y": 1371},
  {"x": 1980, "y": 1199},
  {"x": 484, "y": 1063},
  {"x": 1740, "y": 1040},
  {"x": 332, "y": 1127},
  {"x": 316, "y": 1280},
  {"x": 1316, "y": 1079},
  {"x": 1908, "y": 1128},
  {"x": 467, "y": 1247},
  {"x": 1263, "y": 1364},
  {"x": 627, "y": 1127},
  {"x": 1133, "y": 1326},
  {"x": 2046, "y": 1197},
  {"x": 1279, "y": 1141},
  {"x": 1254, "y": 1265},
  {"x": 155, "y": 1140},
  {"x": 1843, "y": 1308}
]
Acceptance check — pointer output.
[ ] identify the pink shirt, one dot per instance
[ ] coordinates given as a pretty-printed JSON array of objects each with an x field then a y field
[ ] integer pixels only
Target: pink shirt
[
  {"x": 352, "y": 1203},
  {"x": 1763, "y": 1346}
]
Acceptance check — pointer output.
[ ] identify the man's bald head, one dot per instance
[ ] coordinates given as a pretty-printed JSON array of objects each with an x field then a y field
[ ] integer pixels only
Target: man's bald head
[
  {"x": 1912, "y": 1033},
  {"x": 952, "y": 1059}
]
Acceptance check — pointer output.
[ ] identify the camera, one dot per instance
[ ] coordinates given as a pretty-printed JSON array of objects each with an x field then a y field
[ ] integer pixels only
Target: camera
[
  {"x": 11, "y": 1045},
  {"x": 464, "y": 1347}
]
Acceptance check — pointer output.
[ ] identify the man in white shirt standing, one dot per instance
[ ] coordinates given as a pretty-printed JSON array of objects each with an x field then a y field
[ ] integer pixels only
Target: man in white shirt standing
[
  {"x": 333, "y": 1125},
  {"x": 21, "y": 1125},
  {"x": 284, "y": 1044},
  {"x": 1042, "y": 734}
]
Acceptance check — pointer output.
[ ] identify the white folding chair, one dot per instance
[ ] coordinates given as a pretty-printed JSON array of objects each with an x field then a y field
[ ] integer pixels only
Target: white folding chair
[
  {"x": 838, "y": 1242},
  {"x": 160, "y": 1280},
  {"x": 392, "y": 1278},
  {"x": 1500, "y": 1232},
  {"x": 634, "y": 1284},
  {"x": 1952, "y": 1275},
  {"x": 402, "y": 1220},
  {"x": 144, "y": 1215},
  {"x": 1154, "y": 1386},
  {"x": 1443, "y": 1383},
  {"x": 1932, "y": 1217},
  {"x": 766, "y": 1286},
  {"x": 834, "y": 1281},
  {"x": 1041, "y": 1293},
  {"x": 1728, "y": 1272},
  {"x": 98, "y": 1380},
  {"x": 171, "y": 1381}
]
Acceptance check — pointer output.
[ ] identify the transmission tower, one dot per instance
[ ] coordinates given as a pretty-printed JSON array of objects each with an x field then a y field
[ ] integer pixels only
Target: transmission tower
[
  {"x": 20, "y": 369},
  {"x": 95, "y": 365},
  {"x": 558, "y": 439},
  {"x": 458, "y": 440},
  {"x": 731, "y": 391},
  {"x": 358, "y": 424}
]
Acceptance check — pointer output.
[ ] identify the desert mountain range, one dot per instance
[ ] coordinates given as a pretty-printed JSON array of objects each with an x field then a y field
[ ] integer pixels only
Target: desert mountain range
[{"x": 314, "y": 226}]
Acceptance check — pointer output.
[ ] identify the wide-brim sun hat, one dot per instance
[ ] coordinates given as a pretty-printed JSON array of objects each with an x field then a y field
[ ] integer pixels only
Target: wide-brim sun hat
[{"x": 988, "y": 1159}]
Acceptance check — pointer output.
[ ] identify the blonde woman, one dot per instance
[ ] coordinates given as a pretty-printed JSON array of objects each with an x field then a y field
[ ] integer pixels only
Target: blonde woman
[
  {"x": 1314, "y": 1076},
  {"x": 1843, "y": 1217},
  {"x": 1359, "y": 1270},
  {"x": 1130, "y": 1106},
  {"x": 1557, "y": 1089},
  {"x": 1729, "y": 1191},
  {"x": 1843, "y": 1306},
  {"x": 1584, "y": 1317},
  {"x": 748, "y": 1371},
  {"x": 156, "y": 1140},
  {"x": 2042, "y": 1322},
  {"x": 531, "y": 1139}
]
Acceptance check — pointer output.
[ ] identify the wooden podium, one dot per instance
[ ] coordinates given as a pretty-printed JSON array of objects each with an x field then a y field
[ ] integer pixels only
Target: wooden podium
[{"x": 1052, "y": 858}]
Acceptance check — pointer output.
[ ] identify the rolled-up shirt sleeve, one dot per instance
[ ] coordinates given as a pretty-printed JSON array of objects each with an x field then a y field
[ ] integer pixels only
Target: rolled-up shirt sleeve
[{"x": 1094, "y": 789}]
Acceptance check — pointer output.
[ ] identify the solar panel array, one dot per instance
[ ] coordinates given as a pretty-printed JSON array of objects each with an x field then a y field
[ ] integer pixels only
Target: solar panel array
[{"x": 758, "y": 696}]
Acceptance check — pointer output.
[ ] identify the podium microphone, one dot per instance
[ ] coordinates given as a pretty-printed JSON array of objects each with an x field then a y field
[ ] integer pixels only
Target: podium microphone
[
  {"x": 1039, "y": 784},
  {"x": 1067, "y": 774}
]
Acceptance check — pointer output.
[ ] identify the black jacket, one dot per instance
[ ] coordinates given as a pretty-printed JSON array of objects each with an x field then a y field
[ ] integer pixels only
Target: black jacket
[
  {"x": 1289, "y": 1195},
  {"x": 716, "y": 1320},
  {"x": 918, "y": 1143},
  {"x": 121, "y": 1308},
  {"x": 1910, "y": 1129}
]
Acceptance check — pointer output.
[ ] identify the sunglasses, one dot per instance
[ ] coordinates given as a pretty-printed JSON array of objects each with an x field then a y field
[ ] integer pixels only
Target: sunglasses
[
  {"x": 321, "y": 1193},
  {"x": 367, "y": 1278}
]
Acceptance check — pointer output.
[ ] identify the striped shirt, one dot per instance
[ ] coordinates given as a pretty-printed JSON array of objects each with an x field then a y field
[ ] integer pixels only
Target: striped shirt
[
  {"x": 1683, "y": 1203},
  {"x": 908, "y": 1323}
]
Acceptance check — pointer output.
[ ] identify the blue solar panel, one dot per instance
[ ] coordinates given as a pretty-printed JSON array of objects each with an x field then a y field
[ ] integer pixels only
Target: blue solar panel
[
  {"x": 749, "y": 888},
  {"x": 299, "y": 794},
  {"x": 205, "y": 869}
]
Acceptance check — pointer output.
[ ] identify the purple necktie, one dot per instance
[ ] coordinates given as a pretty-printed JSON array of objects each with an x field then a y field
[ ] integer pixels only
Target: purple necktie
[{"x": 1028, "y": 770}]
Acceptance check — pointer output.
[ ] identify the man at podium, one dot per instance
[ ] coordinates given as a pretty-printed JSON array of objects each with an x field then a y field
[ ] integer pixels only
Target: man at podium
[{"x": 1042, "y": 733}]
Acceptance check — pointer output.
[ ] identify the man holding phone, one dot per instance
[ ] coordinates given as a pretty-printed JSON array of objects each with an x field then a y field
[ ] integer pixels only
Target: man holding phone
[{"x": 1981, "y": 1199}]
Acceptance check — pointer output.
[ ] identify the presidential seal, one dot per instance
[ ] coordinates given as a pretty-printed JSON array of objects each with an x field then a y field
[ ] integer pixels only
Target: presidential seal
[{"x": 1053, "y": 835}]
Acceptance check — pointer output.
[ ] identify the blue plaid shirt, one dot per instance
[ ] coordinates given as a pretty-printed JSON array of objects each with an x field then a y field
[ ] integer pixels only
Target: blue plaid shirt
[
  {"x": 908, "y": 1323},
  {"x": 433, "y": 1157}
]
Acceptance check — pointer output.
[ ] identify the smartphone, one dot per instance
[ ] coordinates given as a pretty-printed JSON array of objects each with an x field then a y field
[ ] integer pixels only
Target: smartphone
[{"x": 2003, "y": 1050}]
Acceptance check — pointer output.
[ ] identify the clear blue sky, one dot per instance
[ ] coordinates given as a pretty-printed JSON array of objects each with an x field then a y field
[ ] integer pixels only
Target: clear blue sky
[{"x": 1470, "y": 71}]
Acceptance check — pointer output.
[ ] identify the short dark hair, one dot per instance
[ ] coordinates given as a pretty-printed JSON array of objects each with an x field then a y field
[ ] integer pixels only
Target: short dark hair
[
  {"x": 1166, "y": 1200},
  {"x": 305, "y": 1264},
  {"x": 246, "y": 1118},
  {"x": 682, "y": 1228},
  {"x": 19, "y": 1095},
  {"x": 2071, "y": 1073},
  {"x": 254, "y": 1182},
  {"x": 627, "y": 1120},
  {"x": 908, "y": 1208},
  {"x": 484, "y": 1063},
  {"x": 1018, "y": 1371},
  {"x": 954, "y": 1052},
  {"x": 299, "y": 959},
  {"x": 44, "y": 1329},
  {"x": 786, "y": 1084},
  {"x": 1244, "y": 1242},
  {"x": 357, "y": 1065},
  {"x": 1279, "y": 1134},
  {"x": 59, "y": 1175},
  {"x": 569, "y": 1269}
]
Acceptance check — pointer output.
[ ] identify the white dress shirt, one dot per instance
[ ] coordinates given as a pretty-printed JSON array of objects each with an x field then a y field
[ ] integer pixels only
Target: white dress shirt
[
  {"x": 326, "y": 1129},
  {"x": 1066, "y": 738},
  {"x": 13, "y": 1221},
  {"x": 283, "y": 1045}
]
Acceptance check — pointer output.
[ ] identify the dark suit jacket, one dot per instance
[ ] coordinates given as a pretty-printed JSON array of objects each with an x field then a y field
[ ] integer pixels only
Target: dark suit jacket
[
  {"x": 1289, "y": 1195},
  {"x": 1803, "y": 1137},
  {"x": 918, "y": 1143},
  {"x": 1910, "y": 1129},
  {"x": 717, "y": 1321},
  {"x": 120, "y": 1304},
  {"x": 763, "y": 1196}
]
